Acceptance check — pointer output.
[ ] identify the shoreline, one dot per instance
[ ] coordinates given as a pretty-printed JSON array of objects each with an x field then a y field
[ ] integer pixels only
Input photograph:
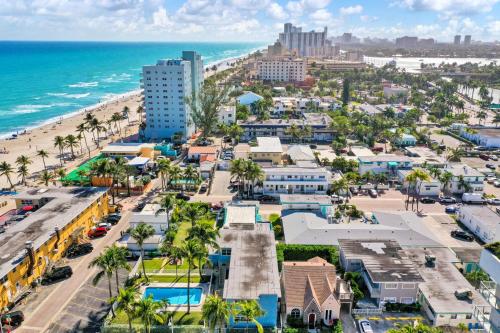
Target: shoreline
[{"x": 221, "y": 65}]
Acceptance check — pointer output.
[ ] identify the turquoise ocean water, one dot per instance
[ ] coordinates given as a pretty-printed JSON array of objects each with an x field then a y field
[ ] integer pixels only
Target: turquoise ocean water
[{"x": 42, "y": 81}]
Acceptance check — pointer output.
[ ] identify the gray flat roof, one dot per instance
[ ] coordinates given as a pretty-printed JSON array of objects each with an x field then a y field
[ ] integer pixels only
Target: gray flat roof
[
  {"x": 441, "y": 281},
  {"x": 304, "y": 198},
  {"x": 385, "y": 158},
  {"x": 65, "y": 204},
  {"x": 483, "y": 213},
  {"x": 306, "y": 227},
  {"x": 489, "y": 132},
  {"x": 463, "y": 170},
  {"x": 240, "y": 214},
  {"x": 270, "y": 144},
  {"x": 384, "y": 260},
  {"x": 253, "y": 269}
]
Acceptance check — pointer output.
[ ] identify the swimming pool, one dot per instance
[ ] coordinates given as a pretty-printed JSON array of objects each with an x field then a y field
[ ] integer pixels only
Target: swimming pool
[{"x": 175, "y": 296}]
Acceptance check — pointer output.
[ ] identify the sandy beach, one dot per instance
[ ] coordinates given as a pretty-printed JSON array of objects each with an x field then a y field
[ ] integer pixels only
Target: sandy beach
[{"x": 43, "y": 137}]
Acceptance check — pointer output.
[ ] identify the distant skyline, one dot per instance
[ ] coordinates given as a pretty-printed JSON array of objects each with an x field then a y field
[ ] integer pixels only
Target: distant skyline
[{"x": 244, "y": 20}]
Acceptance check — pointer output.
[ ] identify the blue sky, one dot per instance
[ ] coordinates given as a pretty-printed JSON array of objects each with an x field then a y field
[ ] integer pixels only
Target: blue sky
[{"x": 243, "y": 20}]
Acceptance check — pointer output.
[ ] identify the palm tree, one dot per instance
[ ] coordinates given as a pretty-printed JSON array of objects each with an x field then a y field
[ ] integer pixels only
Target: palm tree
[
  {"x": 46, "y": 177},
  {"x": 119, "y": 255},
  {"x": 148, "y": 310},
  {"x": 61, "y": 173},
  {"x": 237, "y": 168},
  {"x": 168, "y": 202},
  {"x": 81, "y": 129},
  {"x": 105, "y": 262},
  {"x": 416, "y": 177},
  {"x": 59, "y": 142},
  {"x": 253, "y": 174},
  {"x": 216, "y": 311},
  {"x": 207, "y": 235},
  {"x": 454, "y": 154},
  {"x": 6, "y": 170},
  {"x": 445, "y": 179},
  {"x": 96, "y": 126},
  {"x": 192, "y": 213},
  {"x": 164, "y": 167},
  {"x": 126, "y": 113},
  {"x": 22, "y": 172},
  {"x": 191, "y": 175},
  {"x": 140, "y": 111},
  {"x": 71, "y": 142},
  {"x": 340, "y": 186},
  {"x": 191, "y": 250},
  {"x": 294, "y": 132},
  {"x": 116, "y": 118},
  {"x": 250, "y": 310},
  {"x": 23, "y": 160},
  {"x": 140, "y": 233},
  {"x": 43, "y": 154},
  {"x": 305, "y": 132},
  {"x": 126, "y": 302}
]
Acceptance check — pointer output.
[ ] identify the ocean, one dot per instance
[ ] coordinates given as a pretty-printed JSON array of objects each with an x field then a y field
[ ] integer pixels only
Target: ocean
[{"x": 43, "y": 81}]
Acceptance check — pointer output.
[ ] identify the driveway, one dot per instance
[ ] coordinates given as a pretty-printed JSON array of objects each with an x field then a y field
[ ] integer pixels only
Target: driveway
[
  {"x": 386, "y": 321},
  {"x": 449, "y": 141},
  {"x": 220, "y": 184}
]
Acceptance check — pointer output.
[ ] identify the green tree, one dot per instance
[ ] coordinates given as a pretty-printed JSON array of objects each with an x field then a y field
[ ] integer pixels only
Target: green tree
[
  {"x": 249, "y": 310},
  {"x": 420, "y": 328},
  {"x": 168, "y": 202},
  {"x": 81, "y": 129},
  {"x": 43, "y": 154},
  {"x": 415, "y": 179},
  {"x": 60, "y": 144},
  {"x": 126, "y": 302},
  {"x": 445, "y": 179},
  {"x": 119, "y": 257},
  {"x": 216, "y": 312},
  {"x": 23, "y": 172},
  {"x": 346, "y": 91},
  {"x": 164, "y": 166},
  {"x": 191, "y": 250},
  {"x": 149, "y": 311},
  {"x": 140, "y": 233},
  {"x": 476, "y": 277},
  {"x": 206, "y": 234},
  {"x": 71, "y": 142},
  {"x": 6, "y": 170},
  {"x": 46, "y": 177},
  {"x": 105, "y": 263}
]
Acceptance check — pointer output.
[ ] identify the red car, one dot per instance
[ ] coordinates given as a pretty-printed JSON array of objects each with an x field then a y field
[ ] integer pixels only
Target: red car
[{"x": 97, "y": 232}]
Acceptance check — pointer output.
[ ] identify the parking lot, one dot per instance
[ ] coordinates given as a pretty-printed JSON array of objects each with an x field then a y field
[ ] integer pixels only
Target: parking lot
[
  {"x": 449, "y": 141},
  {"x": 384, "y": 322}
]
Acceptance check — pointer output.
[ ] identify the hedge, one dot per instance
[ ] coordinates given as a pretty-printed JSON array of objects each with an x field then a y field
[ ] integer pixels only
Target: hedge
[{"x": 297, "y": 252}]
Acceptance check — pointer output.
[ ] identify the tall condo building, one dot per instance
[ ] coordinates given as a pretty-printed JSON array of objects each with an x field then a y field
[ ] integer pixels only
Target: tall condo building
[
  {"x": 306, "y": 44},
  {"x": 457, "y": 39},
  {"x": 285, "y": 70},
  {"x": 166, "y": 86},
  {"x": 467, "y": 40}
]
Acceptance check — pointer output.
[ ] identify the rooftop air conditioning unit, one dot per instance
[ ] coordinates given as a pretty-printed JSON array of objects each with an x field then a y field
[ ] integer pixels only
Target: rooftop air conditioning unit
[{"x": 430, "y": 260}]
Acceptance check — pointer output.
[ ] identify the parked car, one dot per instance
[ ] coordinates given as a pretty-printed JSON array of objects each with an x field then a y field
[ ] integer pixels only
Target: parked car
[
  {"x": 460, "y": 234},
  {"x": 365, "y": 326},
  {"x": 203, "y": 188},
  {"x": 354, "y": 190},
  {"x": 182, "y": 196},
  {"x": 76, "y": 250},
  {"x": 451, "y": 209},
  {"x": 442, "y": 147},
  {"x": 473, "y": 198},
  {"x": 267, "y": 199},
  {"x": 373, "y": 193},
  {"x": 113, "y": 218},
  {"x": 378, "y": 149},
  {"x": 491, "y": 180},
  {"x": 496, "y": 183},
  {"x": 337, "y": 198},
  {"x": 491, "y": 166},
  {"x": 97, "y": 232},
  {"x": 427, "y": 200},
  {"x": 13, "y": 319},
  {"x": 493, "y": 157},
  {"x": 57, "y": 274},
  {"x": 481, "y": 148},
  {"x": 447, "y": 200},
  {"x": 493, "y": 201},
  {"x": 105, "y": 225},
  {"x": 484, "y": 157},
  {"x": 140, "y": 206}
]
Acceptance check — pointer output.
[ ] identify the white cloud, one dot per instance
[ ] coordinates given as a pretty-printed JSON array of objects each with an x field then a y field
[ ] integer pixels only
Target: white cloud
[
  {"x": 276, "y": 11},
  {"x": 250, "y": 4},
  {"x": 449, "y": 6},
  {"x": 321, "y": 16},
  {"x": 161, "y": 19},
  {"x": 494, "y": 28},
  {"x": 357, "y": 9},
  {"x": 368, "y": 18},
  {"x": 316, "y": 4}
]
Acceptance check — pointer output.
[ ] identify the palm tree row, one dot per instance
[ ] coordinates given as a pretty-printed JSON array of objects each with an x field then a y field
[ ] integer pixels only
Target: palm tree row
[
  {"x": 115, "y": 169},
  {"x": 246, "y": 170},
  {"x": 173, "y": 173},
  {"x": 70, "y": 141}
]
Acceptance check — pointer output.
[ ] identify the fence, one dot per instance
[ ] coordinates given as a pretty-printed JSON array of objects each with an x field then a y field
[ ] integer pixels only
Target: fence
[
  {"x": 366, "y": 312},
  {"x": 118, "y": 328}
]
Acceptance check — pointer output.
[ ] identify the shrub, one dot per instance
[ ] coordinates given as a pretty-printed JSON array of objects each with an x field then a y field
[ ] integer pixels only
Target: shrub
[
  {"x": 297, "y": 252},
  {"x": 295, "y": 322},
  {"x": 275, "y": 219},
  {"x": 401, "y": 307},
  {"x": 278, "y": 231}
]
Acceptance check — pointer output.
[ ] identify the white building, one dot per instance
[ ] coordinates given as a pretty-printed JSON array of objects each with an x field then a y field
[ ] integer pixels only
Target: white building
[
  {"x": 488, "y": 314},
  {"x": 394, "y": 90},
  {"x": 295, "y": 180},
  {"x": 286, "y": 70},
  {"x": 306, "y": 44},
  {"x": 465, "y": 179},
  {"x": 426, "y": 188},
  {"x": 487, "y": 137},
  {"x": 166, "y": 85},
  {"x": 384, "y": 163},
  {"x": 227, "y": 114},
  {"x": 481, "y": 221},
  {"x": 155, "y": 216},
  {"x": 298, "y": 153}
]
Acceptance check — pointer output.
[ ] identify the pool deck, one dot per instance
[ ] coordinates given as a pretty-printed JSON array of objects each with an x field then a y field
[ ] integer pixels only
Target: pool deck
[{"x": 180, "y": 307}]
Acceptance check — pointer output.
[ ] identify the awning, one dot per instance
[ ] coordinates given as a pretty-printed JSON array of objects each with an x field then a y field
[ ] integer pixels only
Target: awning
[
  {"x": 392, "y": 164},
  {"x": 28, "y": 208}
]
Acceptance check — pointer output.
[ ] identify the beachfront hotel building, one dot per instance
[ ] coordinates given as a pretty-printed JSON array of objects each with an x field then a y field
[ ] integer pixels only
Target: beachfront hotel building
[
  {"x": 306, "y": 44},
  {"x": 31, "y": 246},
  {"x": 166, "y": 86},
  {"x": 283, "y": 70}
]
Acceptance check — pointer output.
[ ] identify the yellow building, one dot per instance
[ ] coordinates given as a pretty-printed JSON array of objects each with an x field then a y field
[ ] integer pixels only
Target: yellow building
[
  {"x": 60, "y": 216},
  {"x": 130, "y": 150},
  {"x": 268, "y": 149}
]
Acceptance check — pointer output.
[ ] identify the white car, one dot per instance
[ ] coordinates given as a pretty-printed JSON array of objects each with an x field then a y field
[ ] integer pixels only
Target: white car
[
  {"x": 365, "y": 326},
  {"x": 491, "y": 180},
  {"x": 493, "y": 157},
  {"x": 496, "y": 183},
  {"x": 105, "y": 225},
  {"x": 493, "y": 201},
  {"x": 337, "y": 198}
]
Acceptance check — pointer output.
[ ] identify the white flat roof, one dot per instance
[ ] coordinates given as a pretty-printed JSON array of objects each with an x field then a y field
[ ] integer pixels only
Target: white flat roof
[
  {"x": 243, "y": 215},
  {"x": 267, "y": 145},
  {"x": 122, "y": 148},
  {"x": 361, "y": 151}
]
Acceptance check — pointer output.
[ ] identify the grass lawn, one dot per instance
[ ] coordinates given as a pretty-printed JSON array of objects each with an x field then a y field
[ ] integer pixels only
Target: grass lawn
[
  {"x": 195, "y": 278},
  {"x": 180, "y": 318},
  {"x": 182, "y": 233},
  {"x": 156, "y": 264}
]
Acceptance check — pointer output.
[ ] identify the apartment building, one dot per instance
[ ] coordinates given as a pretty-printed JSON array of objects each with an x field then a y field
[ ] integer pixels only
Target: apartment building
[
  {"x": 384, "y": 163},
  {"x": 488, "y": 315},
  {"x": 295, "y": 180},
  {"x": 28, "y": 247},
  {"x": 282, "y": 70},
  {"x": 268, "y": 149},
  {"x": 388, "y": 273},
  {"x": 481, "y": 221},
  {"x": 166, "y": 86},
  {"x": 465, "y": 179},
  {"x": 306, "y": 44}
]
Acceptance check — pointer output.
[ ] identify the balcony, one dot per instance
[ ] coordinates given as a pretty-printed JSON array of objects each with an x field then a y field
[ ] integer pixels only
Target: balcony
[
  {"x": 291, "y": 180},
  {"x": 483, "y": 316},
  {"x": 488, "y": 290}
]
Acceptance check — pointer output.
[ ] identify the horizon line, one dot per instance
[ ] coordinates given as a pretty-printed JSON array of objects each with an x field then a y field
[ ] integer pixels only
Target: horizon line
[{"x": 127, "y": 41}]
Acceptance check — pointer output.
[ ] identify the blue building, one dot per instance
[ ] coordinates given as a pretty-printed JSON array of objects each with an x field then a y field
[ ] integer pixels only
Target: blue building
[{"x": 245, "y": 266}]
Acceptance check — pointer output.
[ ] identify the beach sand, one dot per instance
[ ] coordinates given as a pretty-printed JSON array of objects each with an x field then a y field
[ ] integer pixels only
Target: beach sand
[{"x": 43, "y": 137}]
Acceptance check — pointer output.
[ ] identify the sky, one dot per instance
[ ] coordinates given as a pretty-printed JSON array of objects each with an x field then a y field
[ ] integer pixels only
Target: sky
[{"x": 244, "y": 20}]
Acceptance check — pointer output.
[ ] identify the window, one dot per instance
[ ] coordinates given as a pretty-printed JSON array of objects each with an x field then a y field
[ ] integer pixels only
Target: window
[
  {"x": 453, "y": 316},
  {"x": 391, "y": 286},
  {"x": 408, "y": 286},
  {"x": 226, "y": 251},
  {"x": 406, "y": 300},
  {"x": 295, "y": 313},
  {"x": 390, "y": 299}
]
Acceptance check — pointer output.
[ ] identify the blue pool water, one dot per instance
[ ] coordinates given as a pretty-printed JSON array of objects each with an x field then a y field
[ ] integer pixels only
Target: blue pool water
[{"x": 175, "y": 296}]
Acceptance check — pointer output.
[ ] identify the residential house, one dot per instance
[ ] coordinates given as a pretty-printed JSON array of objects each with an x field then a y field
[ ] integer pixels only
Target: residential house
[
  {"x": 155, "y": 216},
  {"x": 268, "y": 149},
  {"x": 487, "y": 137},
  {"x": 305, "y": 202},
  {"x": 481, "y": 221},
  {"x": 299, "y": 153},
  {"x": 227, "y": 114},
  {"x": 246, "y": 268},
  {"x": 203, "y": 153},
  {"x": 423, "y": 156},
  {"x": 389, "y": 275},
  {"x": 384, "y": 163},
  {"x": 446, "y": 297},
  {"x": 406, "y": 140},
  {"x": 314, "y": 292},
  {"x": 465, "y": 179},
  {"x": 488, "y": 315},
  {"x": 395, "y": 91},
  {"x": 249, "y": 98},
  {"x": 431, "y": 187},
  {"x": 129, "y": 150}
]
